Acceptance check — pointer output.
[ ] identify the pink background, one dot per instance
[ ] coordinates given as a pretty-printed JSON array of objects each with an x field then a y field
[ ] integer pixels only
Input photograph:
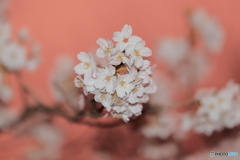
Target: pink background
[
  {"x": 71, "y": 26},
  {"x": 68, "y": 27}
]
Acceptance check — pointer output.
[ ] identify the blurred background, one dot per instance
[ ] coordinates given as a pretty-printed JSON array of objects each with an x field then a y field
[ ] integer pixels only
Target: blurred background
[{"x": 195, "y": 46}]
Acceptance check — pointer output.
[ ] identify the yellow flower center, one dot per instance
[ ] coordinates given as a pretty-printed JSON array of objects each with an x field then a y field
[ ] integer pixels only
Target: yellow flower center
[
  {"x": 125, "y": 40},
  {"x": 137, "y": 53},
  {"x": 221, "y": 100},
  {"x": 120, "y": 57},
  {"x": 107, "y": 79},
  {"x": 114, "y": 95},
  {"x": 211, "y": 106},
  {"x": 122, "y": 83},
  {"x": 80, "y": 83},
  {"x": 135, "y": 89},
  {"x": 103, "y": 96},
  {"x": 14, "y": 56},
  {"x": 87, "y": 65},
  {"x": 116, "y": 115},
  {"x": 118, "y": 100},
  {"x": 107, "y": 50},
  {"x": 137, "y": 79}
]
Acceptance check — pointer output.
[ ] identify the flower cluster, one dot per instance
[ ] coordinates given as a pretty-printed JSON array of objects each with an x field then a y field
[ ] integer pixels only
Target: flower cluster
[
  {"x": 124, "y": 84},
  {"x": 46, "y": 142},
  {"x": 217, "y": 110},
  {"x": 14, "y": 57}
]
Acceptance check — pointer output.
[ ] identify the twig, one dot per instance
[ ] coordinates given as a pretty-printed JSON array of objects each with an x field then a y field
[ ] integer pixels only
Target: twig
[
  {"x": 103, "y": 125},
  {"x": 25, "y": 89},
  {"x": 79, "y": 117}
]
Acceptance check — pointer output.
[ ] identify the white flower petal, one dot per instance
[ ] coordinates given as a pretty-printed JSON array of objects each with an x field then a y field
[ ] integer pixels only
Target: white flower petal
[
  {"x": 79, "y": 69},
  {"x": 100, "y": 53},
  {"x": 83, "y": 57}
]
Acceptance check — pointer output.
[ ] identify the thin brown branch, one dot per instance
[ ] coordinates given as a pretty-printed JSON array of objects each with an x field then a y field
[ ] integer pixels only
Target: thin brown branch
[
  {"x": 104, "y": 125},
  {"x": 186, "y": 102},
  {"x": 25, "y": 89}
]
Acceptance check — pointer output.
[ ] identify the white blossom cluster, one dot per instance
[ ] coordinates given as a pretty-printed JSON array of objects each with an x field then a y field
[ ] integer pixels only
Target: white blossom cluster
[
  {"x": 14, "y": 57},
  {"x": 13, "y": 54},
  {"x": 124, "y": 84},
  {"x": 217, "y": 110},
  {"x": 47, "y": 142}
]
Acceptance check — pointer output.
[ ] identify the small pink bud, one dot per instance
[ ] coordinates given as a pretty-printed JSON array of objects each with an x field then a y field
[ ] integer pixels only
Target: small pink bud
[{"x": 94, "y": 75}]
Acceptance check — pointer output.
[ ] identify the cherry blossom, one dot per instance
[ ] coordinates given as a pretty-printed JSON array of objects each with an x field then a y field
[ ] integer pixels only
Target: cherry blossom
[
  {"x": 106, "y": 79},
  {"x": 137, "y": 52},
  {"x": 124, "y": 85},
  {"x": 88, "y": 65},
  {"x": 124, "y": 38},
  {"x": 106, "y": 48}
]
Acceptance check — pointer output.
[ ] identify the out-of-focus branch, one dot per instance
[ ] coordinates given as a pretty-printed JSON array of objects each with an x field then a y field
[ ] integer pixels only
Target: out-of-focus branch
[
  {"x": 57, "y": 111},
  {"x": 78, "y": 117},
  {"x": 25, "y": 89},
  {"x": 186, "y": 102},
  {"x": 115, "y": 123},
  {"x": 183, "y": 103}
]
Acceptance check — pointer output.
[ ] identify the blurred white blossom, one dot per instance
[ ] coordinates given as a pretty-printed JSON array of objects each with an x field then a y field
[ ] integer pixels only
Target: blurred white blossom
[
  {"x": 62, "y": 84},
  {"x": 23, "y": 34},
  {"x": 162, "y": 126},
  {"x": 5, "y": 93},
  {"x": 48, "y": 142},
  {"x": 164, "y": 93},
  {"x": 209, "y": 29},
  {"x": 124, "y": 84},
  {"x": 159, "y": 151},
  {"x": 34, "y": 59},
  {"x": 188, "y": 59},
  {"x": 193, "y": 69},
  {"x": 13, "y": 57},
  {"x": 5, "y": 32},
  {"x": 7, "y": 117},
  {"x": 173, "y": 51}
]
